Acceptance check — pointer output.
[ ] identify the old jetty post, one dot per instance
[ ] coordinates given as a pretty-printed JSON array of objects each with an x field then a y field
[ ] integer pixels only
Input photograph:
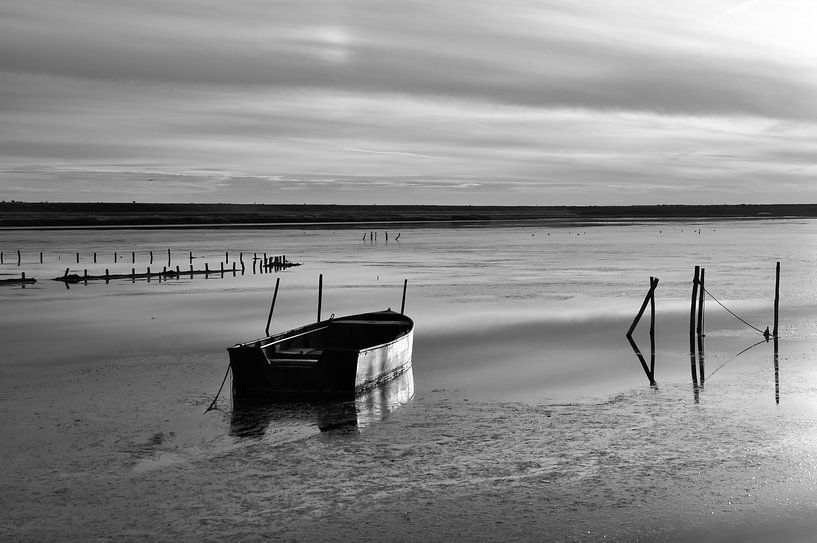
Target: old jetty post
[
  {"x": 692, "y": 357},
  {"x": 403, "y": 303},
  {"x": 699, "y": 330},
  {"x": 320, "y": 295},
  {"x": 695, "y": 281},
  {"x": 272, "y": 307},
  {"x": 776, "y": 298},
  {"x": 648, "y": 299}
]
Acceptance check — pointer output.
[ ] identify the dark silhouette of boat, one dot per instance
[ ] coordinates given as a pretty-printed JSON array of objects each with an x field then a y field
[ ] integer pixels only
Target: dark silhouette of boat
[{"x": 335, "y": 358}]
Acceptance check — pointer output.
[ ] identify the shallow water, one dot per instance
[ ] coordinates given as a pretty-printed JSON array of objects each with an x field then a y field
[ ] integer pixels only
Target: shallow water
[{"x": 531, "y": 415}]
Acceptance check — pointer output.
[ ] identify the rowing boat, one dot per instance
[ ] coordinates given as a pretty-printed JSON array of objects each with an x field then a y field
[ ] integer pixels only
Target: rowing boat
[{"x": 337, "y": 357}]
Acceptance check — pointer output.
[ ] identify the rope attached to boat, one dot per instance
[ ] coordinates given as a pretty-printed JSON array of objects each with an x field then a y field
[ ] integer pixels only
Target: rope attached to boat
[{"x": 213, "y": 403}]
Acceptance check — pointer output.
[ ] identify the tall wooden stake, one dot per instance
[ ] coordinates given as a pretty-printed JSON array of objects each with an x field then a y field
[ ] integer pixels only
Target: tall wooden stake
[
  {"x": 776, "y": 297},
  {"x": 403, "y": 303},
  {"x": 700, "y": 327},
  {"x": 272, "y": 307},
  {"x": 320, "y": 295},
  {"x": 692, "y": 306},
  {"x": 653, "y": 285}
]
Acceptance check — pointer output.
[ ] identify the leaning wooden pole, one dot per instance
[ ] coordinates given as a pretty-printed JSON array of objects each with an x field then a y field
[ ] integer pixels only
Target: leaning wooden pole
[
  {"x": 320, "y": 295},
  {"x": 403, "y": 303},
  {"x": 776, "y": 297},
  {"x": 272, "y": 307},
  {"x": 653, "y": 285}
]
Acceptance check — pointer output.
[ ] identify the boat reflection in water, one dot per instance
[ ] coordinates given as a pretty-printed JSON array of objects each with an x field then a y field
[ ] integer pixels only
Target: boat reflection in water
[{"x": 257, "y": 418}]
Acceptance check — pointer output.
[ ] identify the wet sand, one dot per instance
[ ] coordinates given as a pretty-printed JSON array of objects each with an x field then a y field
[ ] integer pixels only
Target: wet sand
[{"x": 531, "y": 420}]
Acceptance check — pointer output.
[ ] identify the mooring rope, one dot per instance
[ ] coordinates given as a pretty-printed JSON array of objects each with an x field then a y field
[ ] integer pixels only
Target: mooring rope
[
  {"x": 732, "y": 312},
  {"x": 734, "y": 357},
  {"x": 213, "y": 403}
]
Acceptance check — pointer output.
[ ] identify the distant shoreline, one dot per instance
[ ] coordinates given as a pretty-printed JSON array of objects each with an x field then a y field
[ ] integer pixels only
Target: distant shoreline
[{"x": 126, "y": 215}]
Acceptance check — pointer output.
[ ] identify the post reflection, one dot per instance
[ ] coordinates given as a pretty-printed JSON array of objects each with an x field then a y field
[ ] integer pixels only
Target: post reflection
[
  {"x": 649, "y": 371},
  {"x": 776, "y": 374},
  {"x": 254, "y": 418}
]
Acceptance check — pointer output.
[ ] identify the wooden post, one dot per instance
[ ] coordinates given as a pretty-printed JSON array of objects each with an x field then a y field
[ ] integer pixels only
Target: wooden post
[
  {"x": 776, "y": 297},
  {"x": 133, "y": 275},
  {"x": 191, "y": 256},
  {"x": 41, "y": 257},
  {"x": 148, "y": 273},
  {"x": 85, "y": 276},
  {"x": 107, "y": 273},
  {"x": 77, "y": 258},
  {"x": 19, "y": 257},
  {"x": 133, "y": 257},
  {"x": 94, "y": 257},
  {"x": 191, "y": 271},
  {"x": 23, "y": 277},
  {"x": 233, "y": 268},
  {"x": 694, "y": 299},
  {"x": 151, "y": 257},
  {"x": 114, "y": 256},
  {"x": 66, "y": 272},
  {"x": 1, "y": 257},
  {"x": 227, "y": 257},
  {"x": 320, "y": 295},
  {"x": 403, "y": 303},
  {"x": 168, "y": 258},
  {"x": 272, "y": 307},
  {"x": 206, "y": 268},
  {"x": 222, "y": 268},
  {"x": 700, "y": 327},
  {"x": 653, "y": 285}
]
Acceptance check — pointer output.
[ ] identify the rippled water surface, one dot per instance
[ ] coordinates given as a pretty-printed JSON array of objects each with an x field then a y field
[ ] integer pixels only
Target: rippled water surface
[{"x": 528, "y": 415}]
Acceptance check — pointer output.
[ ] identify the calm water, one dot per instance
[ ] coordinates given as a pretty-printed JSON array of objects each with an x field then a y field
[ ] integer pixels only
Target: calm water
[{"x": 528, "y": 413}]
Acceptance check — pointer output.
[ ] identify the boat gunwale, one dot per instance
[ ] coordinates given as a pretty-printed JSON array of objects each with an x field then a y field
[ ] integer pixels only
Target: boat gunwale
[{"x": 321, "y": 325}]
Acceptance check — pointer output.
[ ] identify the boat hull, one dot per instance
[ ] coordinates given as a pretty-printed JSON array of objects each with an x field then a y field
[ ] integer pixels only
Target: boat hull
[{"x": 337, "y": 358}]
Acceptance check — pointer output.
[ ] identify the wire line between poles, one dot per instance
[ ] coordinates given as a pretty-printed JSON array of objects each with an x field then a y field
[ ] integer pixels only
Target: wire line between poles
[{"x": 732, "y": 313}]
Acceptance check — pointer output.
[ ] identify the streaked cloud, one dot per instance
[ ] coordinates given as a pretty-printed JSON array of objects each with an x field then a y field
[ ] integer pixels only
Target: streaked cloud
[{"x": 460, "y": 102}]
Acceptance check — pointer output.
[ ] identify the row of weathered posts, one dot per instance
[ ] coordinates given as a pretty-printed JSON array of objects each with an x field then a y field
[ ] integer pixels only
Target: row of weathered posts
[
  {"x": 121, "y": 257},
  {"x": 267, "y": 264}
]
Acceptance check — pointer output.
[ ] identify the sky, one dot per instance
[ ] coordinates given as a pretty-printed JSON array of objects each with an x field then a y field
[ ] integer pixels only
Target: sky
[{"x": 512, "y": 102}]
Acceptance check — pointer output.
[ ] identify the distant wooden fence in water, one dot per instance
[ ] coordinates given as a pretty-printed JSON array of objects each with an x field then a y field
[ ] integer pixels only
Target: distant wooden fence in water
[{"x": 260, "y": 264}]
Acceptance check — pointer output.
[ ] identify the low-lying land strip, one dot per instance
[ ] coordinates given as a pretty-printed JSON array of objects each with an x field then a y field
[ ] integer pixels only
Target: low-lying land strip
[{"x": 44, "y": 214}]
